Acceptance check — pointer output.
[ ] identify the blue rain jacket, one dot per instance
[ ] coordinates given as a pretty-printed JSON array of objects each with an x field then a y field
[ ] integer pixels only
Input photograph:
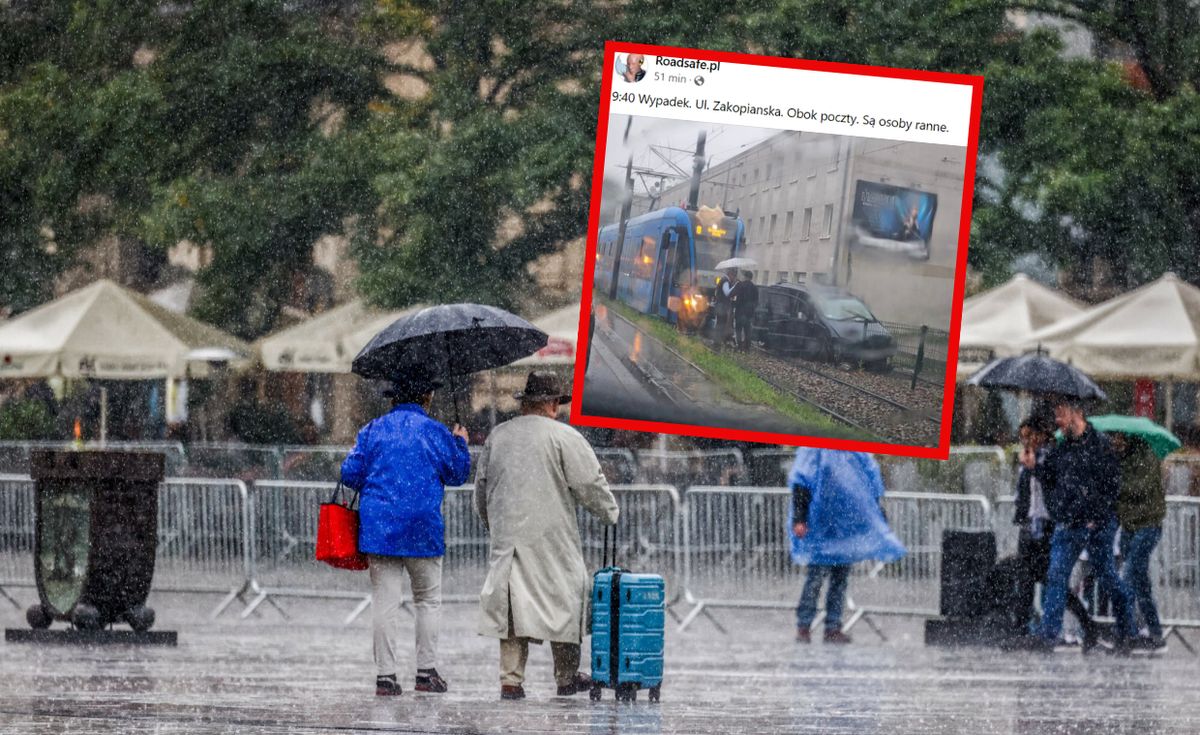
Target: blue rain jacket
[
  {"x": 401, "y": 464},
  {"x": 845, "y": 523}
]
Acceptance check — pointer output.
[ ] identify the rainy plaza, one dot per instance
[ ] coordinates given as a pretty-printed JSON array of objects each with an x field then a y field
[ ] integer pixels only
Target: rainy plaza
[{"x": 387, "y": 366}]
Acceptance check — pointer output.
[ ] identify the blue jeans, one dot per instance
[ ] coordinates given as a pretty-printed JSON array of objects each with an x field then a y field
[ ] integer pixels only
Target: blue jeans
[
  {"x": 1136, "y": 548},
  {"x": 835, "y": 596},
  {"x": 1065, "y": 547}
]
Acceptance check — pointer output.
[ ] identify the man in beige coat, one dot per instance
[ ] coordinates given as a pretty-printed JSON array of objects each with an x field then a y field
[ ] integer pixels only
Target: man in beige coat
[{"x": 531, "y": 476}]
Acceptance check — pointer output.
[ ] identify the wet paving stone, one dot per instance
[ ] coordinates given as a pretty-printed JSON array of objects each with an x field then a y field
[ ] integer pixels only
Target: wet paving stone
[{"x": 311, "y": 675}]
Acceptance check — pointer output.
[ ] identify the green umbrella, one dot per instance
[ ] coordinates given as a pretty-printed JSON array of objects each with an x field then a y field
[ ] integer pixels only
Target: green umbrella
[{"x": 1162, "y": 441}]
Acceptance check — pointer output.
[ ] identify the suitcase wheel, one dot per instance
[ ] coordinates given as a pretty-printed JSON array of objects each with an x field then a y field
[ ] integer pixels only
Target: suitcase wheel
[
  {"x": 654, "y": 693},
  {"x": 626, "y": 693},
  {"x": 594, "y": 693}
]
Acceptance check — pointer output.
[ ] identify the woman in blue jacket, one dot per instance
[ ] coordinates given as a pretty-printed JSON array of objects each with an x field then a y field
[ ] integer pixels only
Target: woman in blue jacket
[{"x": 401, "y": 464}]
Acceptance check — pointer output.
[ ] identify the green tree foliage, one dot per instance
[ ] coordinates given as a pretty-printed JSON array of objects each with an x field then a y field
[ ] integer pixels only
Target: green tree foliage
[
  {"x": 490, "y": 169},
  {"x": 228, "y": 124},
  {"x": 1099, "y": 155}
]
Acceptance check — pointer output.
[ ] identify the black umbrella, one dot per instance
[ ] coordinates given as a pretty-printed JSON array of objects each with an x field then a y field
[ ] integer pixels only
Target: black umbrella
[
  {"x": 448, "y": 340},
  {"x": 1037, "y": 373}
]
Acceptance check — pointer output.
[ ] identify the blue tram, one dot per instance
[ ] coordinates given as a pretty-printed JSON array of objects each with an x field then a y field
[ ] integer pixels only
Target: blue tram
[{"x": 668, "y": 263}]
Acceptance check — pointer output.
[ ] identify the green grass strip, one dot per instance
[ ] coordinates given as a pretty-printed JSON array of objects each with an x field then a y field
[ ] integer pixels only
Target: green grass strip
[{"x": 739, "y": 382}]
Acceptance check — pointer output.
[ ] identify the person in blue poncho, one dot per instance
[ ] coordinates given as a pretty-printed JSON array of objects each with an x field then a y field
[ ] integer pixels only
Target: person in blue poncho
[
  {"x": 401, "y": 464},
  {"x": 836, "y": 520}
]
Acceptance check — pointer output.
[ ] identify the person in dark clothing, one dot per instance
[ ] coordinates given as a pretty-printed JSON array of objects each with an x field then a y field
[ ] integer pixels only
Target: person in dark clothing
[
  {"x": 1036, "y": 527},
  {"x": 722, "y": 305},
  {"x": 745, "y": 301},
  {"x": 1081, "y": 480},
  {"x": 1141, "y": 508}
]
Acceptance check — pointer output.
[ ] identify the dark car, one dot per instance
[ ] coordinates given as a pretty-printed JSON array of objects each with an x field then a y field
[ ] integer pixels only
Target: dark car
[{"x": 820, "y": 323}]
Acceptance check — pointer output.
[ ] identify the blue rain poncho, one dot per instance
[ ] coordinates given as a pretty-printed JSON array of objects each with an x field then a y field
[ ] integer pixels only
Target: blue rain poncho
[{"x": 845, "y": 522}]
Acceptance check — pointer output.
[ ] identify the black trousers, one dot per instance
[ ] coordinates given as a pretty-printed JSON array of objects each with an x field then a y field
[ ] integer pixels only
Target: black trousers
[{"x": 1035, "y": 558}]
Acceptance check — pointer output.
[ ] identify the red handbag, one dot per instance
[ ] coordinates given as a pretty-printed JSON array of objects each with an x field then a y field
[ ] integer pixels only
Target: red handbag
[{"x": 337, "y": 533}]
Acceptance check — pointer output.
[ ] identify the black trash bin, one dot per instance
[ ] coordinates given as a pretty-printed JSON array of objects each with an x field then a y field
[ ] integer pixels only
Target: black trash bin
[{"x": 95, "y": 537}]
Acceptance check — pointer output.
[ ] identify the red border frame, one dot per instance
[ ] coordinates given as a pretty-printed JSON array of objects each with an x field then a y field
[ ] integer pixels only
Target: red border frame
[{"x": 942, "y": 450}]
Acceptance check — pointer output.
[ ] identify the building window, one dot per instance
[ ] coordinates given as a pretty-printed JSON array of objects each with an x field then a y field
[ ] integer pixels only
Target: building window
[
  {"x": 756, "y": 176},
  {"x": 771, "y": 232},
  {"x": 787, "y": 226},
  {"x": 783, "y": 277},
  {"x": 799, "y": 276},
  {"x": 827, "y": 221},
  {"x": 806, "y": 228},
  {"x": 837, "y": 155},
  {"x": 762, "y": 228},
  {"x": 769, "y": 171}
]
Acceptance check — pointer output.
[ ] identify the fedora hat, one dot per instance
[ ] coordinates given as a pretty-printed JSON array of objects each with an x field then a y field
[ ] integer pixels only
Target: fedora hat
[{"x": 542, "y": 385}]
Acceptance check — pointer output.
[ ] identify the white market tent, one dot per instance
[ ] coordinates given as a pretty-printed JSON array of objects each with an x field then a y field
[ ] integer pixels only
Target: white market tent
[
  {"x": 328, "y": 342},
  {"x": 1150, "y": 332},
  {"x": 562, "y": 326},
  {"x": 105, "y": 331},
  {"x": 1000, "y": 322}
]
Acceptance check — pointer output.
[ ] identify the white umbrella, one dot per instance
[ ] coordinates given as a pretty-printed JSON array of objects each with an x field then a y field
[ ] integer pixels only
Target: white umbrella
[{"x": 736, "y": 263}]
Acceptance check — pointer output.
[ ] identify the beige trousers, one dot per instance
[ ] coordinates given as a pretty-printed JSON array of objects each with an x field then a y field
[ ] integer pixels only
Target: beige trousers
[
  {"x": 514, "y": 653},
  {"x": 387, "y": 578}
]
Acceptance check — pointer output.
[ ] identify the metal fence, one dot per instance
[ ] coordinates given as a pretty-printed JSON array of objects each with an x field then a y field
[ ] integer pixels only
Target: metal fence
[
  {"x": 719, "y": 547},
  {"x": 738, "y": 551},
  {"x": 695, "y": 467},
  {"x": 203, "y": 537},
  {"x": 16, "y": 534},
  {"x": 1181, "y": 474},
  {"x": 226, "y": 459},
  {"x": 1174, "y": 566},
  {"x": 909, "y": 341}
]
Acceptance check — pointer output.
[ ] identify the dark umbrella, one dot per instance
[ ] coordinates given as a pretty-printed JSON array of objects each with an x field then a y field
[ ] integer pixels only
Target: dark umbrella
[
  {"x": 448, "y": 340},
  {"x": 1037, "y": 373}
]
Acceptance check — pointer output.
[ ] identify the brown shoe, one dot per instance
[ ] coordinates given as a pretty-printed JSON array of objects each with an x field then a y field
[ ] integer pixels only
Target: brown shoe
[
  {"x": 581, "y": 683},
  {"x": 803, "y": 635},
  {"x": 428, "y": 680},
  {"x": 512, "y": 691},
  {"x": 836, "y": 636},
  {"x": 386, "y": 686}
]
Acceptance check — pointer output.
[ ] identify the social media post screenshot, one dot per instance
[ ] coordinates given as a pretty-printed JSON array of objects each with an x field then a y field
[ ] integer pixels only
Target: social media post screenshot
[{"x": 776, "y": 250}]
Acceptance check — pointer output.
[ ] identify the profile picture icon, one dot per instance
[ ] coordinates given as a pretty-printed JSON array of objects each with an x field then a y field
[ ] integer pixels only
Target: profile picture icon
[{"x": 630, "y": 68}]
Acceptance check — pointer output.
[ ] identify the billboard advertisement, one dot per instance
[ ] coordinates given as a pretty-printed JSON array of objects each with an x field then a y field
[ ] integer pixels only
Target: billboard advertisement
[{"x": 893, "y": 218}]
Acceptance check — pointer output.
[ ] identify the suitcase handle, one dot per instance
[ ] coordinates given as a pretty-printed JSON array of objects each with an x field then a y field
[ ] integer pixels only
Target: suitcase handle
[{"x": 604, "y": 554}]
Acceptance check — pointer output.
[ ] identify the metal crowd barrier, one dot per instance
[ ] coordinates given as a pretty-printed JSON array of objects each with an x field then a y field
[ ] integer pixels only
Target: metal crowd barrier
[
  {"x": 1174, "y": 566},
  {"x": 683, "y": 468},
  {"x": 16, "y": 534},
  {"x": 204, "y": 538},
  {"x": 737, "y": 552},
  {"x": 649, "y": 534},
  {"x": 283, "y": 537}
]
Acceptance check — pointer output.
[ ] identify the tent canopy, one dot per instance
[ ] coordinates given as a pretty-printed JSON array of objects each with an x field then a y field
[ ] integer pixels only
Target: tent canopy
[
  {"x": 1004, "y": 318},
  {"x": 328, "y": 342},
  {"x": 563, "y": 327},
  {"x": 106, "y": 331},
  {"x": 1151, "y": 332}
]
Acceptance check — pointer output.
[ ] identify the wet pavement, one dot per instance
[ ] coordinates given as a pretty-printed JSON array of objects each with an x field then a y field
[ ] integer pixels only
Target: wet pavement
[{"x": 310, "y": 675}]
